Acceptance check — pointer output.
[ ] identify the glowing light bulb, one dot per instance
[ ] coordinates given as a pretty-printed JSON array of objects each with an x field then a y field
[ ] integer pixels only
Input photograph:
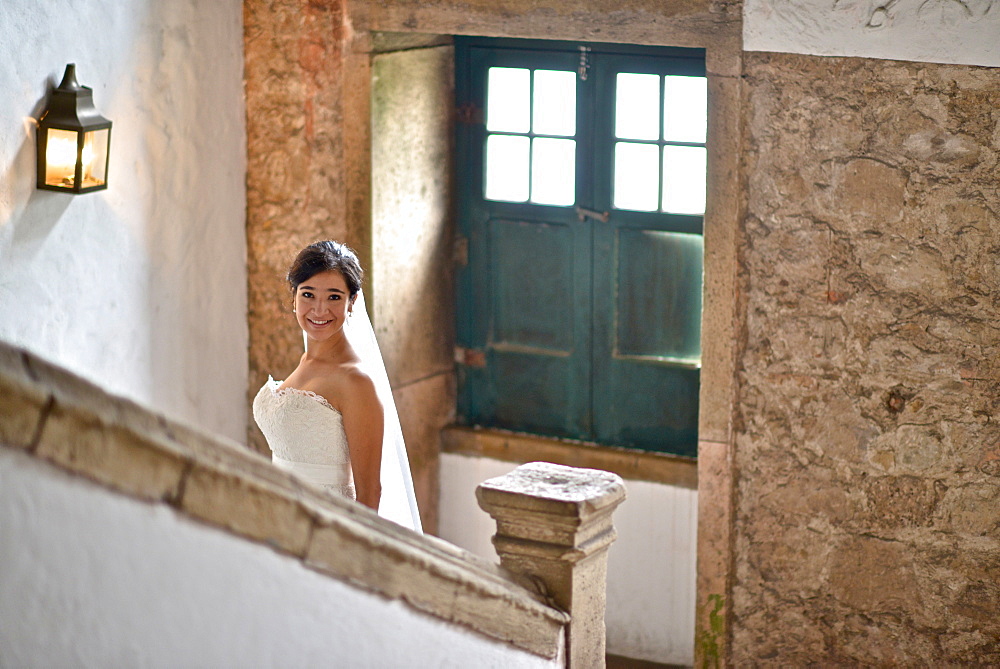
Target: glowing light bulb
[{"x": 60, "y": 152}]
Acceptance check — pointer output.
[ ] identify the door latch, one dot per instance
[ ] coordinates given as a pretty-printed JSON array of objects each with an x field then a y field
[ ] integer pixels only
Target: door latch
[
  {"x": 583, "y": 69},
  {"x": 583, "y": 214}
]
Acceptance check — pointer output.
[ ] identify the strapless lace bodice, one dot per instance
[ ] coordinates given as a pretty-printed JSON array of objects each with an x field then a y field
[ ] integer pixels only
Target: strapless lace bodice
[{"x": 306, "y": 436}]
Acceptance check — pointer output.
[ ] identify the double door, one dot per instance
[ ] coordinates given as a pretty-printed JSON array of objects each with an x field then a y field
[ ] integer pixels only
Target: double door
[{"x": 581, "y": 180}]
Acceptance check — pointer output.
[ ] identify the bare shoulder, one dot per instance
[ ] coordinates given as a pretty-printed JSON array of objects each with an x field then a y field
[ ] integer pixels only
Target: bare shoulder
[
  {"x": 357, "y": 380},
  {"x": 349, "y": 387}
]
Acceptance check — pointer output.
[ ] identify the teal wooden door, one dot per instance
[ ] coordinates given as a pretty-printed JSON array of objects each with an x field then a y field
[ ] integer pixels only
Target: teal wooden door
[{"x": 579, "y": 304}]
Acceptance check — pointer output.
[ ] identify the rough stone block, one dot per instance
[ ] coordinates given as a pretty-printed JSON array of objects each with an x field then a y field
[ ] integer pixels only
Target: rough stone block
[
  {"x": 113, "y": 454},
  {"x": 542, "y": 487},
  {"x": 262, "y": 506},
  {"x": 107, "y": 438},
  {"x": 435, "y": 580},
  {"x": 902, "y": 501},
  {"x": 23, "y": 400},
  {"x": 867, "y": 373},
  {"x": 715, "y": 516},
  {"x": 872, "y": 574}
]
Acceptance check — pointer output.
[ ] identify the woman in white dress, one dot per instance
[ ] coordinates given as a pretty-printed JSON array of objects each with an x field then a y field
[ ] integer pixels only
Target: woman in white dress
[{"x": 332, "y": 421}]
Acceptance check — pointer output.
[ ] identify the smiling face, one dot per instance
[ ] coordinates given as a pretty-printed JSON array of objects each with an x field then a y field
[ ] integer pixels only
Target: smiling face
[{"x": 322, "y": 303}]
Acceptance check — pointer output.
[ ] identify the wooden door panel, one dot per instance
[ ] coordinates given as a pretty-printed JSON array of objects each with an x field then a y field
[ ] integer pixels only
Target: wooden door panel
[
  {"x": 538, "y": 348},
  {"x": 532, "y": 273},
  {"x": 534, "y": 393},
  {"x": 650, "y": 407},
  {"x": 647, "y": 346}
]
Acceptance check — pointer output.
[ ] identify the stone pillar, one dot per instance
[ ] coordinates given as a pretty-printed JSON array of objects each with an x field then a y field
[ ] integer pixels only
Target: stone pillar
[{"x": 554, "y": 525}]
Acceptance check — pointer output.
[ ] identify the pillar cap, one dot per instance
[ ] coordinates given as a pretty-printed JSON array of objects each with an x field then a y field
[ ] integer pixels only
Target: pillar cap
[{"x": 544, "y": 487}]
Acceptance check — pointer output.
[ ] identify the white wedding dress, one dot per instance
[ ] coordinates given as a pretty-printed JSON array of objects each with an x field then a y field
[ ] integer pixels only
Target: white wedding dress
[{"x": 306, "y": 436}]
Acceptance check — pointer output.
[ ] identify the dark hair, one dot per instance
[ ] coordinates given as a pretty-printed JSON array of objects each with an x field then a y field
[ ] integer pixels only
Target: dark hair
[{"x": 324, "y": 256}]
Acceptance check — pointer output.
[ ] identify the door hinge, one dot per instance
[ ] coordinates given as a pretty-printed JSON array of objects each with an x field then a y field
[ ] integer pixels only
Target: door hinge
[
  {"x": 583, "y": 69},
  {"x": 470, "y": 357},
  {"x": 468, "y": 114}
]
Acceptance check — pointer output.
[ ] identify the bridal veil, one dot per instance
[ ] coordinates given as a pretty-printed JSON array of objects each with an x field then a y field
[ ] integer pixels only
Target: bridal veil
[{"x": 398, "y": 503}]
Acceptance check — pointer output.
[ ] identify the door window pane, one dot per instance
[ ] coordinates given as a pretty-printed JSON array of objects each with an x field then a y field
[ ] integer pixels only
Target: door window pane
[
  {"x": 658, "y": 294},
  {"x": 637, "y": 176},
  {"x": 553, "y": 171},
  {"x": 637, "y": 106},
  {"x": 684, "y": 179},
  {"x": 508, "y": 100},
  {"x": 554, "y": 103},
  {"x": 507, "y": 168},
  {"x": 685, "y": 109}
]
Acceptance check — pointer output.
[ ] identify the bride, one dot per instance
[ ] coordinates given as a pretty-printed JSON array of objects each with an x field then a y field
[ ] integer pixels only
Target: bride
[{"x": 333, "y": 421}]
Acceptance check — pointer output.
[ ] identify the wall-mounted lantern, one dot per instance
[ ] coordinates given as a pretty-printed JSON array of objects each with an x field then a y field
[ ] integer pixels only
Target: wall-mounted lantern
[{"x": 73, "y": 140}]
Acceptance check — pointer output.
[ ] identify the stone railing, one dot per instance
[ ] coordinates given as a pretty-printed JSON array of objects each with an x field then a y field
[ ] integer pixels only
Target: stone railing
[
  {"x": 554, "y": 525},
  {"x": 546, "y": 597}
]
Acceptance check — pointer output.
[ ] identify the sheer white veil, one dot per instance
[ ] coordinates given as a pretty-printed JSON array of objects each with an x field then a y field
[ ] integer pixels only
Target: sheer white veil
[{"x": 398, "y": 502}]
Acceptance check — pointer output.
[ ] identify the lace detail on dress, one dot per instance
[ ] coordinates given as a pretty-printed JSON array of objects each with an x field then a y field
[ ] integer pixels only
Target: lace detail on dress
[
  {"x": 306, "y": 393},
  {"x": 346, "y": 490},
  {"x": 306, "y": 436}
]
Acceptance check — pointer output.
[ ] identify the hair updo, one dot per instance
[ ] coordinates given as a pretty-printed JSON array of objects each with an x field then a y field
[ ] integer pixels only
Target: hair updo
[{"x": 322, "y": 257}]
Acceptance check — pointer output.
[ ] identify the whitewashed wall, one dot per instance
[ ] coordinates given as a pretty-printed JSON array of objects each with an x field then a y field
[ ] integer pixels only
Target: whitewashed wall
[
  {"x": 965, "y": 32},
  {"x": 91, "y": 578},
  {"x": 142, "y": 287},
  {"x": 651, "y": 568}
]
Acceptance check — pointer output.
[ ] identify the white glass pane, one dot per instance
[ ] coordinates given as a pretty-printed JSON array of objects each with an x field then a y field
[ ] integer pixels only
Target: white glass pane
[
  {"x": 507, "y": 168},
  {"x": 60, "y": 157},
  {"x": 95, "y": 157},
  {"x": 637, "y": 106},
  {"x": 637, "y": 176},
  {"x": 685, "y": 108},
  {"x": 508, "y": 103},
  {"x": 555, "y": 103},
  {"x": 553, "y": 171},
  {"x": 684, "y": 179}
]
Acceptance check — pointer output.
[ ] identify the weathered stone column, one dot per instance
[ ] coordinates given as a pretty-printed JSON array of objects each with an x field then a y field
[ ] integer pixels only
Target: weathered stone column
[{"x": 554, "y": 525}]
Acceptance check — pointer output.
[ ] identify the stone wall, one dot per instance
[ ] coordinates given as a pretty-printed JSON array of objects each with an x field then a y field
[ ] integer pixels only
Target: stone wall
[
  {"x": 412, "y": 97},
  {"x": 296, "y": 191},
  {"x": 666, "y": 22},
  {"x": 867, "y": 451}
]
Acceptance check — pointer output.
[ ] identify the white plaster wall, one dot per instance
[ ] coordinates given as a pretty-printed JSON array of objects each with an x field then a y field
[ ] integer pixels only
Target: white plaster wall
[
  {"x": 96, "y": 579},
  {"x": 651, "y": 567},
  {"x": 142, "y": 287},
  {"x": 963, "y": 32}
]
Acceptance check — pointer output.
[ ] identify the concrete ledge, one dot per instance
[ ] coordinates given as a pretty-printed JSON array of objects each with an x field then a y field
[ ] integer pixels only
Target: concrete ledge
[
  {"x": 78, "y": 427},
  {"x": 520, "y": 448},
  {"x": 23, "y": 402}
]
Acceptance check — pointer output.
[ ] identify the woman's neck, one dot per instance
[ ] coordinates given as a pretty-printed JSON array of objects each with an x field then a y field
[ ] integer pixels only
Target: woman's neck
[{"x": 335, "y": 349}]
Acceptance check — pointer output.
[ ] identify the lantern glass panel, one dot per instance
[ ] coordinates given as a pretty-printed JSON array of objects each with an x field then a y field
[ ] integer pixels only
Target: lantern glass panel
[
  {"x": 95, "y": 158},
  {"x": 60, "y": 157}
]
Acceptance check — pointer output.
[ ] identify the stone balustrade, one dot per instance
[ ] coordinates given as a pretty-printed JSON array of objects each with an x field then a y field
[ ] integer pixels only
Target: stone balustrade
[{"x": 554, "y": 526}]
